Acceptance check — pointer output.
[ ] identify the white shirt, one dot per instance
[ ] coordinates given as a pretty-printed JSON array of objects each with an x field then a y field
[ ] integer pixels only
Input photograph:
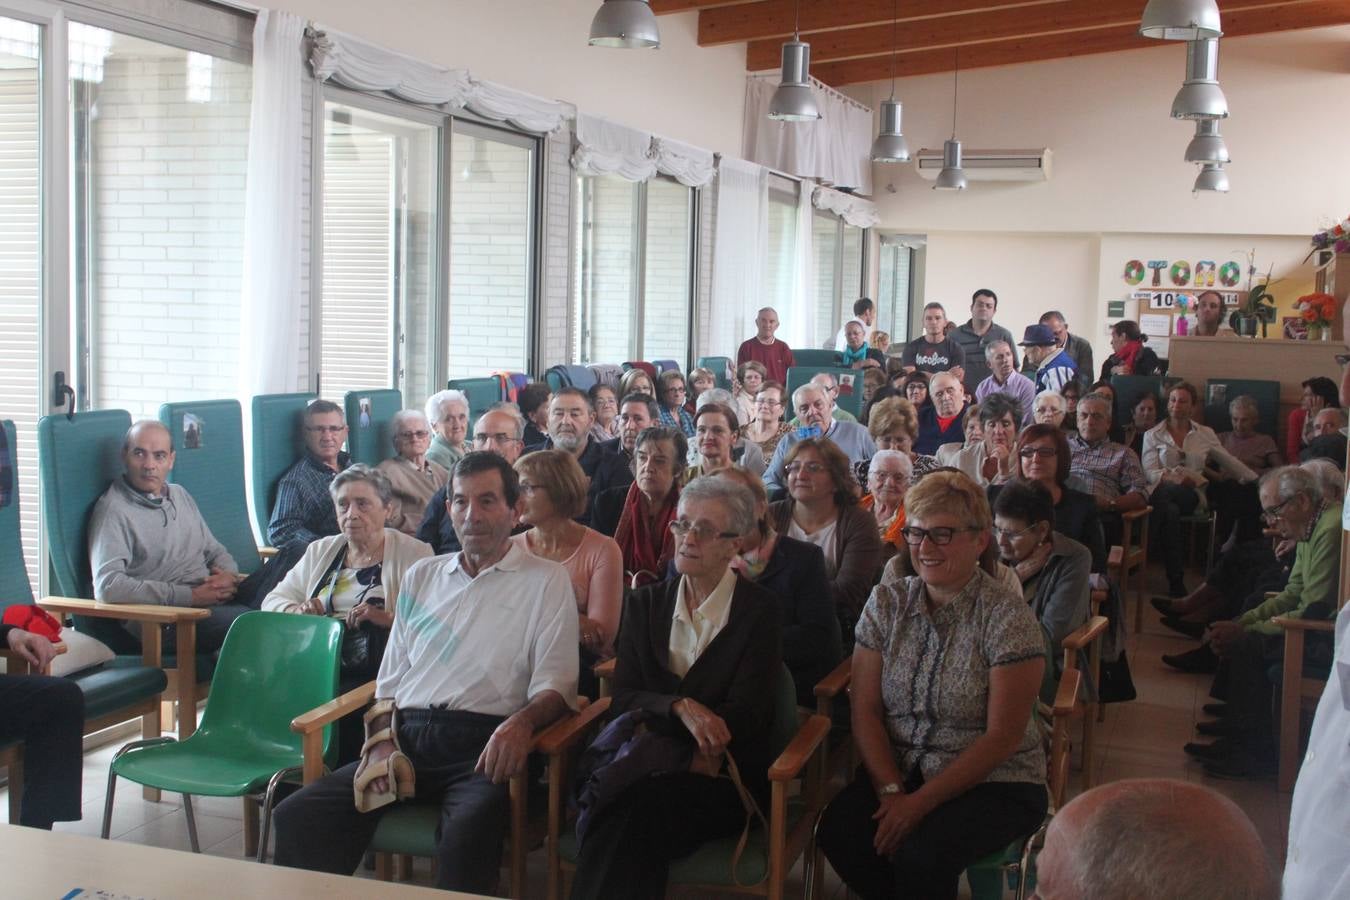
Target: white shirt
[
  {"x": 822, "y": 538},
  {"x": 1162, "y": 456},
  {"x": 487, "y": 644},
  {"x": 1318, "y": 862},
  {"x": 691, "y": 635}
]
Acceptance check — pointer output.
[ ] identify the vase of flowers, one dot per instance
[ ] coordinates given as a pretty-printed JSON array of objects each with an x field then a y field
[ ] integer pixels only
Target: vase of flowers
[{"x": 1318, "y": 310}]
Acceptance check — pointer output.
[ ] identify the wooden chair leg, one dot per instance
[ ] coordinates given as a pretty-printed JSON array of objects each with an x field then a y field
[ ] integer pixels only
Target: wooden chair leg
[
  {"x": 152, "y": 724},
  {"x": 252, "y": 814},
  {"x": 1291, "y": 709},
  {"x": 384, "y": 867},
  {"x": 403, "y": 864},
  {"x": 15, "y": 784},
  {"x": 1089, "y": 743},
  {"x": 519, "y": 841}
]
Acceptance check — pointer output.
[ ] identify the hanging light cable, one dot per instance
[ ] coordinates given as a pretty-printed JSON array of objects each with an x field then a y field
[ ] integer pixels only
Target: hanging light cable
[
  {"x": 952, "y": 177},
  {"x": 890, "y": 145},
  {"x": 794, "y": 100}
]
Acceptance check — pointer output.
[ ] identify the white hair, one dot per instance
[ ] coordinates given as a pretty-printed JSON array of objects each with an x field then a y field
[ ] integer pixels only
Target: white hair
[
  {"x": 1330, "y": 478},
  {"x": 882, "y": 455},
  {"x": 714, "y": 395},
  {"x": 435, "y": 406},
  {"x": 405, "y": 415},
  {"x": 992, "y": 347},
  {"x": 1052, "y": 395},
  {"x": 804, "y": 389}
]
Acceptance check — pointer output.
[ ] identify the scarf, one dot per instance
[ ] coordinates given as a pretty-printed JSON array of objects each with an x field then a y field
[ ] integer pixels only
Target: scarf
[
  {"x": 1128, "y": 353},
  {"x": 889, "y": 531},
  {"x": 852, "y": 356},
  {"x": 647, "y": 549},
  {"x": 751, "y": 565}
]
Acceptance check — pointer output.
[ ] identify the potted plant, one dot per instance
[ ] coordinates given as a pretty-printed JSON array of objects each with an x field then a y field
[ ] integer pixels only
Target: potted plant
[{"x": 1259, "y": 306}]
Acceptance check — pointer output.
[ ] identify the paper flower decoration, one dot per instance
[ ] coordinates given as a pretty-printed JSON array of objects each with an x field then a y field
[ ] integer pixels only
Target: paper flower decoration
[{"x": 1317, "y": 309}]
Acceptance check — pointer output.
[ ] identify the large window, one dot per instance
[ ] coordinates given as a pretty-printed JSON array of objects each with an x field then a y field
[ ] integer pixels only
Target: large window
[
  {"x": 838, "y": 250},
  {"x": 780, "y": 257},
  {"x": 895, "y": 282},
  {"x": 159, "y": 149},
  {"x": 634, "y": 287}
]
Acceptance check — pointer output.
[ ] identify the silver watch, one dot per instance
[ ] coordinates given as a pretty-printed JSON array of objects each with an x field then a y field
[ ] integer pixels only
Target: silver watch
[{"x": 887, "y": 790}]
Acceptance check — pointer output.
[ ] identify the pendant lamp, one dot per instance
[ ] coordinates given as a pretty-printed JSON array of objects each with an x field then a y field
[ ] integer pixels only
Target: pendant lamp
[
  {"x": 1200, "y": 96},
  {"x": 1208, "y": 145},
  {"x": 890, "y": 145},
  {"x": 952, "y": 177},
  {"x": 794, "y": 100},
  {"x": 627, "y": 24},
  {"x": 1212, "y": 177},
  {"x": 1180, "y": 20}
]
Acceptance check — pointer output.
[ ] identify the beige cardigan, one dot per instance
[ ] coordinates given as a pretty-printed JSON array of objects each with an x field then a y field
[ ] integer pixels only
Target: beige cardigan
[{"x": 301, "y": 582}]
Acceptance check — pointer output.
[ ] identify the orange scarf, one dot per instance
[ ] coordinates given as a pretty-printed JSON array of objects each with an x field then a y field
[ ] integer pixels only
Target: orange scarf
[{"x": 892, "y": 533}]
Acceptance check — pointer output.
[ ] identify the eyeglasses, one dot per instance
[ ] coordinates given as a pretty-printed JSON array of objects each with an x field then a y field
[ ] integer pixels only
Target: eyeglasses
[
  {"x": 939, "y": 536},
  {"x": 897, "y": 477},
  {"x": 812, "y": 468},
  {"x": 414, "y": 435},
  {"x": 1275, "y": 513},
  {"x": 704, "y": 532},
  {"x": 1010, "y": 534},
  {"x": 500, "y": 438},
  {"x": 325, "y": 429},
  {"x": 676, "y": 390},
  {"x": 1037, "y": 453},
  {"x": 767, "y": 401}
]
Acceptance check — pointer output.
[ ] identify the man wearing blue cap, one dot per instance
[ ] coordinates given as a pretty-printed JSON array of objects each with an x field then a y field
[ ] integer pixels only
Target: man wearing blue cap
[{"x": 1054, "y": 367}]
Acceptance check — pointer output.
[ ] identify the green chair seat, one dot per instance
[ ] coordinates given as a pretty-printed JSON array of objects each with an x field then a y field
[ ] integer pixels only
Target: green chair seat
[
  {"x": 109, "y": 687},
  {"x": 229, "y": 771},
  {"x": 409, "y": 829}
]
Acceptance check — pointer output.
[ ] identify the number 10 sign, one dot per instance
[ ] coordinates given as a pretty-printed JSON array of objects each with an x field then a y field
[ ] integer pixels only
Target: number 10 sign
[{"x": 1168, "y": 299}]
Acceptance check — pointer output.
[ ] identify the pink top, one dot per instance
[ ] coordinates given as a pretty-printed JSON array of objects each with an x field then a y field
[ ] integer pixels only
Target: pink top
[
  {"x": 1254, "y": 450},
  {"x": 596, "y": 570}
]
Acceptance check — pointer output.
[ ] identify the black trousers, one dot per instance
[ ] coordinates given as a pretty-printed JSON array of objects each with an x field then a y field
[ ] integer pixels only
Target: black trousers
[
  {"x": 1242, "y": 682},
  {"x": 320, "y": 828},
  {"x": 47, "y": 714},
  {"x": 630, "y": 845},
  {"x": 929, "y": 863},
  {"x": 1235, "y": 503},
  {"x": 1170, "y": 502}
]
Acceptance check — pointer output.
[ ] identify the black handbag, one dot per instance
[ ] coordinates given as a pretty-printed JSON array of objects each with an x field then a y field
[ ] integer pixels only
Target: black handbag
[{"x": 363, "y": 646}]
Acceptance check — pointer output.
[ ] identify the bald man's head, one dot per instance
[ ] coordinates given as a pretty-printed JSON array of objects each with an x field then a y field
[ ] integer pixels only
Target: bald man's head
[
  {"x": 147, "y": 456},
  {"x": 1153, "y": 837}
]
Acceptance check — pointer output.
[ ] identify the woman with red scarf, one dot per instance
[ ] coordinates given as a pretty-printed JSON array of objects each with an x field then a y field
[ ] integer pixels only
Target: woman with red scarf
[
  {"x": 1129, "y": 355},
  {"x": 643, "y": 531}
]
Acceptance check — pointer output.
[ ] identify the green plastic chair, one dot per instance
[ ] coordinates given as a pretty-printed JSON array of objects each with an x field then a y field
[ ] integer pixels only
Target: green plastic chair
[
  {"x": 273, "y": 667},
  {"x": 482, "y": 393},
  {"x": 277, "y": 444},
  {"x": 213, "y": 472},
  {"x": 373, "y": 442},
  {"x": 721, "y": 367},
  {"x": 850, "y": 402},
  {"x": 826, "y": 358}
]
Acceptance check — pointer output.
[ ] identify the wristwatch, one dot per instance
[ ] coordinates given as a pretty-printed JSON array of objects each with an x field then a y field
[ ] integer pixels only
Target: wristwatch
[{"x": 887, "y": 790}]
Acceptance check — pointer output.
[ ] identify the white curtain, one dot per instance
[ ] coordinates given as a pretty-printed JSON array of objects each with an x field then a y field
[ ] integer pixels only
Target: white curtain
[
  {"x": 856, "y": 211},
  {"x": 608, "y": 148},
  {"x": 270, "y": 300},
  {"x": 504, "y": 104},
  {"x": 740, "y": 243},
  {"x": 799, "y": 319},
  {"x": 836, "y": 149},
  {"x": 690, "y": 166}
]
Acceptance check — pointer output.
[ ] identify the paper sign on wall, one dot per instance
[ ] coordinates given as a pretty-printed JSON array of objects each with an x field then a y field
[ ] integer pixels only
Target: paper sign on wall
[{"x": 1155, "y": 325}]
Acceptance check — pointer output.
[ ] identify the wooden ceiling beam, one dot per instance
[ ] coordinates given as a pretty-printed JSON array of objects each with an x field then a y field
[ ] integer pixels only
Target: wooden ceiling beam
[
  {"x": 952, "y": 31},
  {"x": 667, "y": 7},
  {"x": 1237, "y": 23},
  {"x": 774, "y": 18}
]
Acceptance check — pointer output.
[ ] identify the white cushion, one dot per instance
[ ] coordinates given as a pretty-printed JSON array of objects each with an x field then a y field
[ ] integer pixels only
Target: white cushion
[{"x": 82, "y": 652}]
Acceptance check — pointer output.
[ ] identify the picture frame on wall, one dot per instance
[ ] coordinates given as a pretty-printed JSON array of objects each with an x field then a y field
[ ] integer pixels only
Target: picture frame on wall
[{"x": 1295, "y": 328}]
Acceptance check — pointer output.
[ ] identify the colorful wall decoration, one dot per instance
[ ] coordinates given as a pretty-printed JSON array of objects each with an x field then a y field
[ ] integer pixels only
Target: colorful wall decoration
[{"x": 1205, "y": 274}]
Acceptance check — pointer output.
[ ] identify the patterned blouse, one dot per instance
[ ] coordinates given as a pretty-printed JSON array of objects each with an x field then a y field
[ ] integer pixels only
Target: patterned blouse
[{"x": 935, "y": 671}]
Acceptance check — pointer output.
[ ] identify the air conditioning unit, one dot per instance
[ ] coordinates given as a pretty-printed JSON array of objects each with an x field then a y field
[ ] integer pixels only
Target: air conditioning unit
[{"x": 991, "y": 165}]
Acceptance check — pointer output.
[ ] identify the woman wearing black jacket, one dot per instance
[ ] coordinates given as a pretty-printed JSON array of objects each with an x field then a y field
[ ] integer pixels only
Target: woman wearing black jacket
[{"x": 1129, "y": 356}]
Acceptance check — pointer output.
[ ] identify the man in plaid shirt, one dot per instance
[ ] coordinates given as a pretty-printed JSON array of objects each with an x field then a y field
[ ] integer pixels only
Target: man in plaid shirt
[{"x": 1110, "y": 472}]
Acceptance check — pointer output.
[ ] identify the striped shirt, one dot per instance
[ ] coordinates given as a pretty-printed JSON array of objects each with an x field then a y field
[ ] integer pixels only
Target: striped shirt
[
  {"x": 303, "y": 510},
  {"x": 1106, "y": 470}
]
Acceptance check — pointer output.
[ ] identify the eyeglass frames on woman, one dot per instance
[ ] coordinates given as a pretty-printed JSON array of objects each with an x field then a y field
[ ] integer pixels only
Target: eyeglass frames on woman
[
  {"x": 703, "y": 532},
  {"x": 940, "y": 536}
]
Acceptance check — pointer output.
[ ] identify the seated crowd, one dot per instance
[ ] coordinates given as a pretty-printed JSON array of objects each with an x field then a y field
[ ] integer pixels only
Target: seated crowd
[{"x": 704, "y": 540}]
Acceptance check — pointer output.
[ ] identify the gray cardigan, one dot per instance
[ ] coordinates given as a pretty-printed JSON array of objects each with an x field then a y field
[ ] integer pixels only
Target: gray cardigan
[{"x": 1060, "y": 597}]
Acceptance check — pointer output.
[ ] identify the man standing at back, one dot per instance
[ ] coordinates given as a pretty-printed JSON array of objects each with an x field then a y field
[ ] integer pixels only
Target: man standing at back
[
  {"x": 977, "y": 334},
  {"x": 764, "y": 348},
  {"x": 1001, "y": 361},
  {"x": 865, "y": 314},
  {"x": 933, "y": 351},
  {"x": 303, "y": 511}
]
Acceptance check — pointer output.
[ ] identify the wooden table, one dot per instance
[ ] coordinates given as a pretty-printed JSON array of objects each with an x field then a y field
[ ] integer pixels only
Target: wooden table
[{"x": 55, "y": 866}]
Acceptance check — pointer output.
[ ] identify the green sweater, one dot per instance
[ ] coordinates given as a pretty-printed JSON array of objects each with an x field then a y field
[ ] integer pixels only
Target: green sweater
[{"x": 1315, "y": 579}]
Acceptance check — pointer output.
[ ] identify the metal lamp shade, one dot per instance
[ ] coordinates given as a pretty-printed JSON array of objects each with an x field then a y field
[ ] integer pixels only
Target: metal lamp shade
[
  {"x": 794, "y": 101},
  {"x": 1212, "y": 177},
  {"x": 1208, "y": 145},
  {"x": 1200, "y": 96},
  {"x": 1180, "y": 20},
  {"x": 952, "y": 177},
  {"x": 890, "y": 145},
  {"x": 628, "y": 24}
]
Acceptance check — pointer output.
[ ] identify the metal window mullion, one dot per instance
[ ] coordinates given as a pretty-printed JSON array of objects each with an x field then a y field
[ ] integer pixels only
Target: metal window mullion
[
  {"x": 398, "y": 262},
  {"x": 438, "y": 317},
  {"x": 839, "y": 272},
  {"x": 695, "y": 207},
  {"x": 638, "y": 339},
  {"x": 317, "y": 149},
  {"x": 537, "y": 217}
]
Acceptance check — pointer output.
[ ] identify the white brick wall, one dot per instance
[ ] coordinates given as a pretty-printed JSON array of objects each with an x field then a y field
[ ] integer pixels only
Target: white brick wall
[
  {"x": 556, "y": 339},
  {"x": 167, "y": 191}
]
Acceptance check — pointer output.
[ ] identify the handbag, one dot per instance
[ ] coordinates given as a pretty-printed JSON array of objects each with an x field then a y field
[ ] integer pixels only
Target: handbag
[{"x": 363, "y": 646}]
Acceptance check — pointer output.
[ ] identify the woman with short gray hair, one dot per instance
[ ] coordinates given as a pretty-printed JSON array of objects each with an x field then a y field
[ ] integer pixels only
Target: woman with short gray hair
[
  {"x": 353, "y": 575},
  {"x": 415, "y": 479},
  {"x": 448, "y": 413}
]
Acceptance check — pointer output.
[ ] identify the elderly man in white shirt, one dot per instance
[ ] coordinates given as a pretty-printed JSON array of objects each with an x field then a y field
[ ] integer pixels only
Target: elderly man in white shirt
[{"x": 482, "y": 654}]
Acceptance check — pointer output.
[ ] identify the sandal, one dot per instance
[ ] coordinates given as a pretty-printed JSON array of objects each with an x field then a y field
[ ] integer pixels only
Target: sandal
[{"x": 397, "y": 768}]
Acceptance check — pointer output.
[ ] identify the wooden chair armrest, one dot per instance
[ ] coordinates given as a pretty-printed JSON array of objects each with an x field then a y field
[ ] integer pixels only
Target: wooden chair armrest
[
  {"x": 1304, "y": 624},
  {"x": 605, "y": 668},
  {"x": 1115, "y": 556},
  {"x": 562, "y": 734},
  {"x": 797, "y": 753},
  {"x": 334, "y": 709},
  {"x": 1134, "y": 515},
  {"x": 1067, "y": 693},
  {"x": 1089, "y": 632},
  {"x": 267, "y": 552},
  {"x": 835, "y": 683},
  {"x": 132, "y": 612}
]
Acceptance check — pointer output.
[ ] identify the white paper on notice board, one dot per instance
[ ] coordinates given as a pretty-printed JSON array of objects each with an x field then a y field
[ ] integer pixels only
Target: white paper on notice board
[{"x": 1155, "y": 325}]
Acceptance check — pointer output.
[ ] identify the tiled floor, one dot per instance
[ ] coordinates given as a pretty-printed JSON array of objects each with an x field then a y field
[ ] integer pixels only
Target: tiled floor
[{"x": 1139, "y": 739}]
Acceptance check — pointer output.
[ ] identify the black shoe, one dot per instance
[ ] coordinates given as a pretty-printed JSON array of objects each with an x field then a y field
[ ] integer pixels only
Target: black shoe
[
  {"x": 1200, "y": 661},
  {"x": 1181, "y": 626},
  {"x": 1218, "y": 710},
  {"x": 1241, "y": 765},
  {"x": 1219, "y": 750},
  {"x": 1221, "y": 728},
  {"x": 1177, "y": 589},
  {"x": 1163, "y": 605}
]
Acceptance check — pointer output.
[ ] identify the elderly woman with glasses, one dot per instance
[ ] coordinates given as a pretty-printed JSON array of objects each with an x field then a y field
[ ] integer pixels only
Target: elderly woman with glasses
[
  {"x": 698, "y": 658},
  {"x": 448, "y": 413},
  {"x": 353, "y": 575},
  {"x": 639, "y": 515},
  {"x": 767, "y": 427},
  {"x": 606, "y": 404},
  {"x": 414, "y": 478},
  {"x": 888, "y": 477},
  {"x": 946, "y": 669},
  {"x": 822, "y": 509}
]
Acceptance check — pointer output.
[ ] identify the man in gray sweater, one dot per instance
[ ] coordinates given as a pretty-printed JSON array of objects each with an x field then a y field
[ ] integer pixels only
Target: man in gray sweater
[{"x": 149, "y": 544}]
